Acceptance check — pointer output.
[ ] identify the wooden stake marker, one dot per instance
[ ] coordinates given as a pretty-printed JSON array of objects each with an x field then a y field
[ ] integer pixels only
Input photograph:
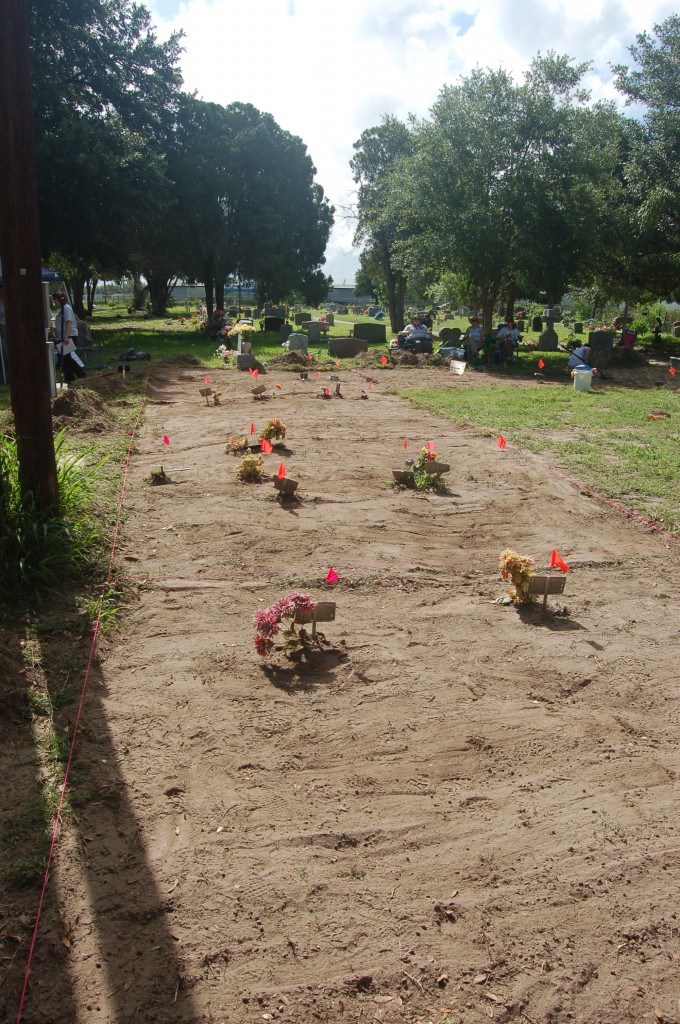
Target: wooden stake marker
[
  {"x": 323, "y": 611},
  {"x": 206, "y": 393},
  {"x": 259, "y": 390},
  {"x": 436, "y": 467},
  {"x": 404, "y": 476},
  {"x": 285, "y": 485},
  {"x": 546, "y": 585}
]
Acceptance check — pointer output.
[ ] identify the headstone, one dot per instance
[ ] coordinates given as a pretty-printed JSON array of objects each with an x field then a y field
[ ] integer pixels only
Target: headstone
[
  {"x": 273, "y": 323},
  {"x": 301, "y": 318},
  {"x": 297, "y": 342},
  {"x": 248, "y": 312},
  {"x": 375, "y": 332},
  {"x": 245, "y": 361},
  {"x": 548, "y": 340},
  {"x": 314, "y": 330},
  {"x": 536, "y": 323},
  {"x": 372, "y": 310},
  {"x": 285, "y": 330},
  {"x": 521, "y": 325},
  {"x": 232, "y": 311},
  {"x": 345, "y": 348},
  {"x": 578, "y": 327},
  {"x": 330, "y": 319},
  {"x": 601, "y": 339}
]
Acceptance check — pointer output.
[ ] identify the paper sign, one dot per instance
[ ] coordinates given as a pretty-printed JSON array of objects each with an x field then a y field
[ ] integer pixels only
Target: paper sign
[
  {"x": 501, "y": 442},
  {"x": 557, "y": 562},
  {"x": 332, "y": 576}
]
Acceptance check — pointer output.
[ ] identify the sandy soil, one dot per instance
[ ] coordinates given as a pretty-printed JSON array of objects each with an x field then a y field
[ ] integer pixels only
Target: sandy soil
[{"x": 453, "y": 812}]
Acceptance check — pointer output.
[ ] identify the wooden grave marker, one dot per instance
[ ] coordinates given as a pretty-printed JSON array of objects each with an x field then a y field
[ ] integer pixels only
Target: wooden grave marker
[
  {"x": 545, "y": 585},
  {"x": 323, "y": 611}
]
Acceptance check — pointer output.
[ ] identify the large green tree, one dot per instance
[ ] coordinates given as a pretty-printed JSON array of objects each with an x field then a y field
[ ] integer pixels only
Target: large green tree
[
  {"x": 105, "y": 97},
  {"x": 378, "y": 156},
  {"x": 500, "y": 189}
]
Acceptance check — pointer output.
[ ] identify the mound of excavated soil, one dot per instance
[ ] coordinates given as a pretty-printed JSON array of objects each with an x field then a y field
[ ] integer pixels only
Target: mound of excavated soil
[{"x": 84, "y": 407}]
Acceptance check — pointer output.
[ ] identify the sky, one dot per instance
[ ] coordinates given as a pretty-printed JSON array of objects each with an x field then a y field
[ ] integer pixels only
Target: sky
[{"x": 327, "y": 71}]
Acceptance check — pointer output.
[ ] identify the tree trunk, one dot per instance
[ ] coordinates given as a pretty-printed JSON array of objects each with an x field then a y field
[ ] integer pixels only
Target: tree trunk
[
  {"x": 21, "y": 267},
  {"x": 510, "y": 299},
  {"x": 209, "y": 282},
  {"x": 139, "y": 292},
  {"x": 160, "y": 289},
  {"x": 261, "y": 295},
  {"x": 92, "y": 282},
  {"x": 77, "y": 286},
  {"x": 396, "y": 292},
  {"x": 219, "y": 294},
  {"x": 488, "y": 303}
]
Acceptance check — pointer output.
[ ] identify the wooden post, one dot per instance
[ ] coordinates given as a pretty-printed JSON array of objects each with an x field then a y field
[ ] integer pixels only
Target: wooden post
[{"x": 21, "y": 265}]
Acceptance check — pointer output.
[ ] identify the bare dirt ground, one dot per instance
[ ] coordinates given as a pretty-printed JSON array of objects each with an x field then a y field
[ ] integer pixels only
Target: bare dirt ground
[{"x": 455, "y": 812}]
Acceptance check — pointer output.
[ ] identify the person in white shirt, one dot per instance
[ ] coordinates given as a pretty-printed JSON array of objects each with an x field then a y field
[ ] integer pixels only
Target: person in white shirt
[
  {"x": 413, "y": 332},
  {"x": 66, "y": 330}
]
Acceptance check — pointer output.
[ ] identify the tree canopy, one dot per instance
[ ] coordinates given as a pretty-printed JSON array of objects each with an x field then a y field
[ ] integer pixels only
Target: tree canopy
[{"x": 137, "y": 176}]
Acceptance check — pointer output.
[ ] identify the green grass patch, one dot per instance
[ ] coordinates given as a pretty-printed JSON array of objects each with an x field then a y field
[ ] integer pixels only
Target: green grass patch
[{"x": 604, "y": 438}]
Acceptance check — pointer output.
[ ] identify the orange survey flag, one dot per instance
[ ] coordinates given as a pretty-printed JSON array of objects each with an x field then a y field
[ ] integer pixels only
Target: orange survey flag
[
  {"x": 266, "y": 447},
  {"x": 282, "y": 471},
  {"x": 557, "y": 562},
  {"x": 501, "y": 442}
]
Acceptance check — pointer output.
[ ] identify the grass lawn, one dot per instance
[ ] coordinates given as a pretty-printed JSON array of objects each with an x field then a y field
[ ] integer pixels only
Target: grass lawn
[{"x": 604, "y": 437}]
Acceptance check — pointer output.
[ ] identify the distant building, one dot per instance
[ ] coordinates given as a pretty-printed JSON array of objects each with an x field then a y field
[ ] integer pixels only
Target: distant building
[{"x": 344, "y": 293}]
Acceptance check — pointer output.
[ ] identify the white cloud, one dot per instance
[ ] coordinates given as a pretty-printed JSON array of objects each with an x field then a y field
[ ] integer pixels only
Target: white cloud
[{"x": 326, "y": 71}]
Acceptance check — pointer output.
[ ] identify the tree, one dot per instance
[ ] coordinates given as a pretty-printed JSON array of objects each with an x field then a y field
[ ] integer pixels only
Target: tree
[
  {"x": 500, "y": 191},
  {"x": 378, "y": 156},
  {"x": 105, "y": 96}
]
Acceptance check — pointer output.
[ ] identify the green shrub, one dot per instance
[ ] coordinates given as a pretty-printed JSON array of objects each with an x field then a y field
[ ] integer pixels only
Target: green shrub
[{"x": 38, "y": 552}]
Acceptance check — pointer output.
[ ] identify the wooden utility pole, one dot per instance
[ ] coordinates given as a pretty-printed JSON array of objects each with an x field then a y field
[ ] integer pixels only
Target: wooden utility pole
[{"x": 21, "y": 265}]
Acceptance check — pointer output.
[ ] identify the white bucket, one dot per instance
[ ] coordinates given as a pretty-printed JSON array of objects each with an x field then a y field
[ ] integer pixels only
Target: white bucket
[
  {"x": 457, "y": 367},
  {"x": 582, "y": 380}
]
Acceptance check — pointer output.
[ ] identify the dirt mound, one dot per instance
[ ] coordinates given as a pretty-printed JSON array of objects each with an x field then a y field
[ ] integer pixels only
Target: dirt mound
[
  {"x": 290, "y": 359},
  {"x": 84, "y": 407},
  {"x": 183, "y": 359}
]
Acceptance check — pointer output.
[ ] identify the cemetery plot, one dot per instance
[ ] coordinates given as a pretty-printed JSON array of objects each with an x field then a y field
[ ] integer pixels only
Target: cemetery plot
[{"x": 452, "y": 809}]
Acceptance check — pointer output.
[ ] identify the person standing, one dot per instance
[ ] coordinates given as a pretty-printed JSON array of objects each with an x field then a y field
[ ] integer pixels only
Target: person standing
[{"x": 67, "y": 335}]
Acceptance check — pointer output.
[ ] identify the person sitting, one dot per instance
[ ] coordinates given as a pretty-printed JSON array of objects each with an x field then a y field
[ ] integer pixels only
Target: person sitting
[
  {"x": 415, "y": 336},
  {"x": 580, "y": 358},
  {"x": 507, "y": 339},
  {"x": 472, "y": 339}
]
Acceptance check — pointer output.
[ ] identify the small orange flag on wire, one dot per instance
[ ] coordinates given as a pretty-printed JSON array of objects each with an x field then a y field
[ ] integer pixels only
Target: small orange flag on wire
[
  {"x": 541, "y": 364},
  {"x": 405, "y": 443},
  {"x": 383, "y": 360},
  {"x": 252, "y": 428},
  {"x": 256, "y": 373},
  {"x": 501, "y": 442},
  {"x": 672, "y": 371},
  {"x": 266, "y": 447},
  {"x": 282, "y": 471},
  {"x": 332, "y": 577},
  {"x": 557, "y": 562},
  {"x": 166, "y": 439}
]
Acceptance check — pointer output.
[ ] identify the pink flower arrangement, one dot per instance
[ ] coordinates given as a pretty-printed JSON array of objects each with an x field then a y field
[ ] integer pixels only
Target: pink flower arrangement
[{"x": 268, "y": 623}]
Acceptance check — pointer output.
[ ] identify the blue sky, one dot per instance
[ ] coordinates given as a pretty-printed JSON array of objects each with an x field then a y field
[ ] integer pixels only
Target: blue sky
[{"x": 327, "y": 71}]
